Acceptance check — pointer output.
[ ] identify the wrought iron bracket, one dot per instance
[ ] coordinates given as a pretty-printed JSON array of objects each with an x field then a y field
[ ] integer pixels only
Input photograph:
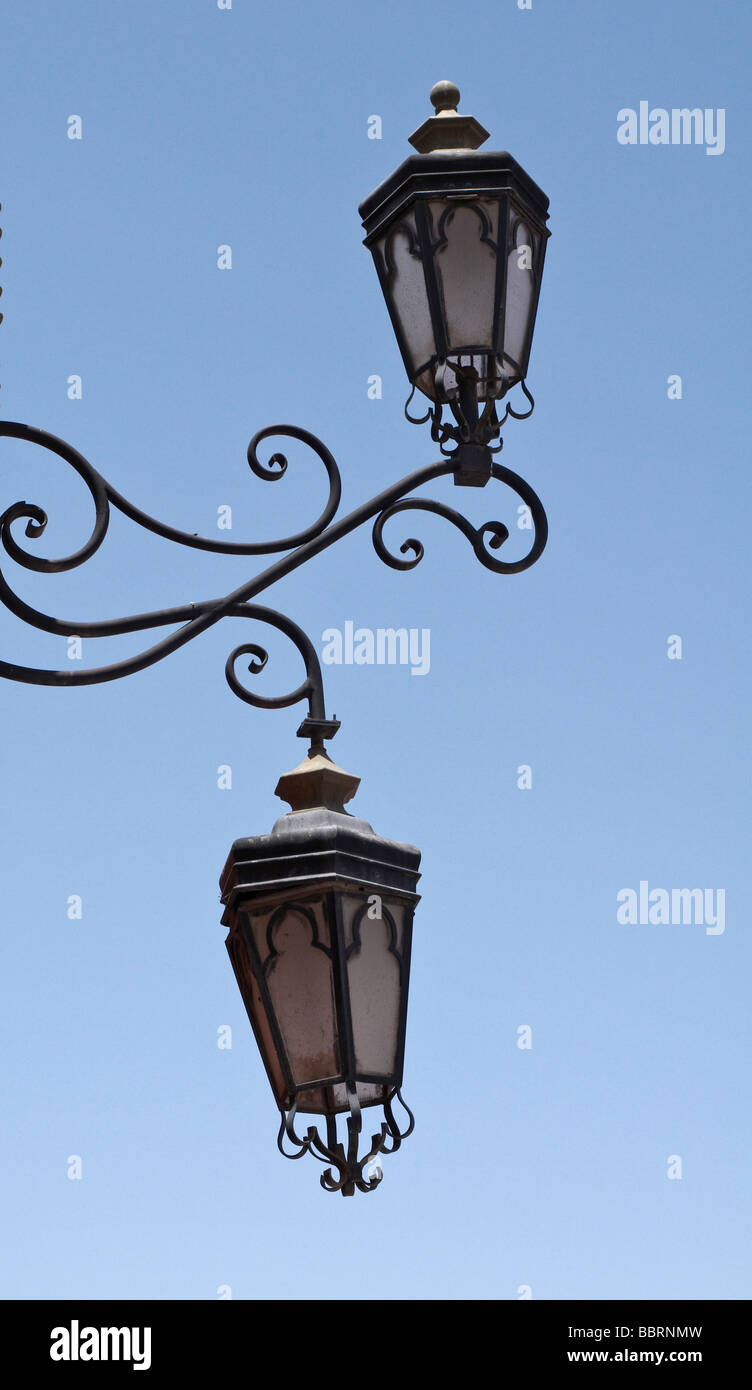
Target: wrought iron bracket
[{"x": 195, "y": 618}]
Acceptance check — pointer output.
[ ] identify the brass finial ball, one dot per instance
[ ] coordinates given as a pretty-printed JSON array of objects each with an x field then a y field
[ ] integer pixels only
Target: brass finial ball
[{"x": 445, "y": 97}]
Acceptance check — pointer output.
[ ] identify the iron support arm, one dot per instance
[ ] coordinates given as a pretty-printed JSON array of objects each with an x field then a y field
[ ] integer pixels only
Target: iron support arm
[{"x": 197, "y": 617}]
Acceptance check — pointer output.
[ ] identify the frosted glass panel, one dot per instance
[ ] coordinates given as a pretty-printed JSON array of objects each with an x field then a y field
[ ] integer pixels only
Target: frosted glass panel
[
  {"x": 406, "y": 291},
  {"x": 299, "y": 980},
  {"x": 373, "y": 972},
  {"x": 369, "y": 1093},
  {"x": 466, "y": 270},
  {"x": 520, "y": 293},
  {"x": 334, "y": 1099},
  {"x": 241, "y": 964}
]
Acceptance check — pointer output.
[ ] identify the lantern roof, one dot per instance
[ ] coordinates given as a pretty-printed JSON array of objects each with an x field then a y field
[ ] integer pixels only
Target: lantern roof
[
  {"x": 471, "y": 172},
  {"x": 317, "y": 845}
]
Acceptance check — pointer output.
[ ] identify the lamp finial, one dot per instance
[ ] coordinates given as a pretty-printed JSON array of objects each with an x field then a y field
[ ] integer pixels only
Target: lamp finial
[{"x": 447, "y": 132}]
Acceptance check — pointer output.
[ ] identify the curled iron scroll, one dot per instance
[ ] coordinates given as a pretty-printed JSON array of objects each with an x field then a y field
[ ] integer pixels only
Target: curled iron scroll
[
  {"x": 491, "y": 534},
  {"x": 104, "y": 494},
  {"x": 350, "y": 1166},
  {"x": 196, "y": 617}
]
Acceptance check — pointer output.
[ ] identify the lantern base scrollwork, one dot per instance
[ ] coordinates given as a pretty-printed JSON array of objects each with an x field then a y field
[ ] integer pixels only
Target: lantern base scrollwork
[
  {"x": 352, "y": 1171},
  {"x": 474, "y": 429}
]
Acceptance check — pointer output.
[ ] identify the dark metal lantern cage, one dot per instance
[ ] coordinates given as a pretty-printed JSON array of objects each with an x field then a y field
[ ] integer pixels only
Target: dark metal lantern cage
[
  {"x": 458, "y": 238},
  {"x": 320, "y": 915}
]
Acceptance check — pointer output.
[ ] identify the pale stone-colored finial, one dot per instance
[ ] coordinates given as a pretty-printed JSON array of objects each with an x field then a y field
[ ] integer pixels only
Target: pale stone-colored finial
[
  {"x": 317, "y": 783},
  {"x": 447, "y": 131},
  {"x": 445, "y": 97}
]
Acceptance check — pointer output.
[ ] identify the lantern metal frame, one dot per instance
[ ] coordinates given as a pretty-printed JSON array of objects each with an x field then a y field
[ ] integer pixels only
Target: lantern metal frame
[
  {"x": 313, "y": 859},
  {"x": 460, "y": 179}
]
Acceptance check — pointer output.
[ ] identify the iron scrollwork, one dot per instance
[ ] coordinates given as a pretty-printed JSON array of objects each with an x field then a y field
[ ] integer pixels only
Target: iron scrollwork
[
  {"x": 352, "y": 1169},
  {"x": 195, "y": 618}
]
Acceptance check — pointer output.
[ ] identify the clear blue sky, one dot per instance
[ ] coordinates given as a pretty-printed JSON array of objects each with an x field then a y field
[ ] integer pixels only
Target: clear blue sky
[{"x": 544, "y": 1168}]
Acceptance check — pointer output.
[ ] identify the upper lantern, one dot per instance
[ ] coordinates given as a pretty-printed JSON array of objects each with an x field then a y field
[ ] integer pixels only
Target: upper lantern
[{"x": 459, "y": 239}]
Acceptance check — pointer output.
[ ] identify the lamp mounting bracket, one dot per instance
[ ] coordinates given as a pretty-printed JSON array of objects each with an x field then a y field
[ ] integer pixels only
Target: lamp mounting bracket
[{"x": 469, "y": 464}]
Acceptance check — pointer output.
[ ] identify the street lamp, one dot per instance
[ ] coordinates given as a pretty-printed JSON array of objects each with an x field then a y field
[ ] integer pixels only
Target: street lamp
[
  {"x": 458, "y": 239},
  {"x": 320, "y": 915},
  {"x": 320, "y": 910}
]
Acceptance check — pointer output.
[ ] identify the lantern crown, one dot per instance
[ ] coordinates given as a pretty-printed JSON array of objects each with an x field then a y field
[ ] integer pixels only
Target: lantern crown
[
  {"x": 447, "y": 129},
  {"x": 317, "y": 782}
]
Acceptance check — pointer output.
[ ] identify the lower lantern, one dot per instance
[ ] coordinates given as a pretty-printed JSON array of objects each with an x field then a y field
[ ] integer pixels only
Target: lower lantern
[{"x": 320, "y": 915}]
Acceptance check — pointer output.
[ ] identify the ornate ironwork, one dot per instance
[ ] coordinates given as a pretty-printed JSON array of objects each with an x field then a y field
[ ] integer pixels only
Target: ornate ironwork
[
  {"x": 195, "y": 618},
  {"x": 473, "y": 426},
  {"x": 351, "y": 1169}
]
